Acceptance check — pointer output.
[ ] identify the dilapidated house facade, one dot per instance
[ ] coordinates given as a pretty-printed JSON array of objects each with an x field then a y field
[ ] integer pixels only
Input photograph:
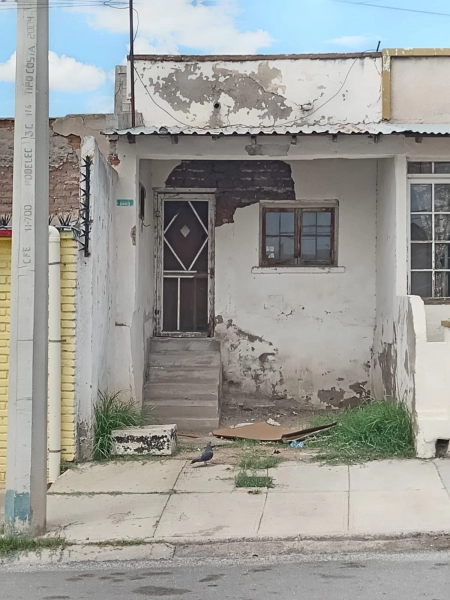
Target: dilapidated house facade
[
  {"x": 272, "y": 231},
  {"x": 293, "y": 211}
]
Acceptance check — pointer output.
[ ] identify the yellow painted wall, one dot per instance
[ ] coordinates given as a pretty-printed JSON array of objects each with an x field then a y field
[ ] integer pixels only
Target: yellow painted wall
[{"x": 68, "y": 316}]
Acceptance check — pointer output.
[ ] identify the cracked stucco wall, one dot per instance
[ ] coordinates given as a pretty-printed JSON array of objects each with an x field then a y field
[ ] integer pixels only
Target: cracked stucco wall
[
  {"x": 259, "y": 93},
  {"x": 304, "y": 338}
]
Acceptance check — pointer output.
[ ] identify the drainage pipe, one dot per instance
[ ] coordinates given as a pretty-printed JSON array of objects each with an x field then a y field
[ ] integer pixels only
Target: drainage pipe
[{"x": 54, "y": 354}]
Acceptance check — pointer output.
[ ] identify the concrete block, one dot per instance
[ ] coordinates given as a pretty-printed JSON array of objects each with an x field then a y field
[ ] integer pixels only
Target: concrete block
[{"x": 158, "y": 440}]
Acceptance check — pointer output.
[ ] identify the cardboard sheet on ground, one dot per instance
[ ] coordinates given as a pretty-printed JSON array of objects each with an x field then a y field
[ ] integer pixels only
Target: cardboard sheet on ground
[{"x": 264, "y": 432}]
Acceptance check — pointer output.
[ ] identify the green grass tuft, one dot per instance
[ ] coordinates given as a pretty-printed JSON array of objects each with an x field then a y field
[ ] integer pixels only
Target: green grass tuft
[
  {"x": 254, "y": 462},
  {"x": 12, "y": 544},
  {"x": 111, "y": 412},
  {"x": 376, "y": 430},
  {"x": 244, "y": 480}
]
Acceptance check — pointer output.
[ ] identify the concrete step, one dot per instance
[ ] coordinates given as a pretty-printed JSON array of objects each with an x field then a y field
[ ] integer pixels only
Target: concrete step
[
  {"x": 173, "y": 411},
  {"x": 180, "y": 391},
  {"x": 195, "y": 425},
  {"x": 183, "y": 382},
  {"x": 184, "y": 359},
  {"x": 187, "y": 375},
  {"x": 184, "y": 345}
]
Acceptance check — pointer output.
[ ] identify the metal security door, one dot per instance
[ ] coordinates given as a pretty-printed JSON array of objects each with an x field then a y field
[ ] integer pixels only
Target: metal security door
[{"x": 185, "y": 271}]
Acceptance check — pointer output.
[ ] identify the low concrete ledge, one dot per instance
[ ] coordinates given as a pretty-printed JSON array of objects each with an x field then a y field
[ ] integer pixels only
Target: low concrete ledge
[{"x": 157, "y": 440}]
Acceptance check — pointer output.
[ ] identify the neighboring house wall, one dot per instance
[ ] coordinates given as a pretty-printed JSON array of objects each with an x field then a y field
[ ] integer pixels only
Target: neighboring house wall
[
  {"x": 65, "y": 140},
  {"x": 420, "y": 88},
  {"x": 68, "y": 334}
]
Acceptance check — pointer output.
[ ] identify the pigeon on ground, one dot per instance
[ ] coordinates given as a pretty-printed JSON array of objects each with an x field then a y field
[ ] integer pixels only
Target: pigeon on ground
[{"x": 205, "y": 456}]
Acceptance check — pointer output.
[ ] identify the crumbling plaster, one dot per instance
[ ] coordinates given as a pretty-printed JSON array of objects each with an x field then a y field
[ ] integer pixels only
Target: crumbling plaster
[{"x": 219, "y": 93}]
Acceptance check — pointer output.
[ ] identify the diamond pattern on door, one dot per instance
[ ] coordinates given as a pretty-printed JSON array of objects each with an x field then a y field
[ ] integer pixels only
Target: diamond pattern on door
[{"x": 185, "y": 266}]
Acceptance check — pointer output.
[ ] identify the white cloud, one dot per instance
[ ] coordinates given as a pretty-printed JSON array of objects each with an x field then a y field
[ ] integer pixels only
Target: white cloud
[
  {"x": 355, "y": 41},
  {"x": 8, "y": 69},
  {"x": 165, "y": 27},
  {"x": 66, "y": 73},
  {"x": 100, "y": 105}
]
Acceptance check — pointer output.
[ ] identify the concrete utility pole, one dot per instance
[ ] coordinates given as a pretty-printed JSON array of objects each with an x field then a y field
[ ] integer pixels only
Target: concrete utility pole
[{"x": 26, "y": 469}]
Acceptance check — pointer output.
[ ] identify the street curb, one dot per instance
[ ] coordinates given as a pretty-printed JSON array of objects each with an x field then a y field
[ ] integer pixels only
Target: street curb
[{"x": 247, "y": 548}]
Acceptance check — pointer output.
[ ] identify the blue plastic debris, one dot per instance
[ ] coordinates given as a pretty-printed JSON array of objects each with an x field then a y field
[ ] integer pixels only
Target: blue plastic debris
[{"x": 296, "y": 444}]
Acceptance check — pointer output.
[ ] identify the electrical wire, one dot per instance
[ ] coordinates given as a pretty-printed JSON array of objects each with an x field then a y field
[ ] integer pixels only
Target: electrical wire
[
  {"x": 13, "y": 5},
  {"x": 386, "y": 7}
]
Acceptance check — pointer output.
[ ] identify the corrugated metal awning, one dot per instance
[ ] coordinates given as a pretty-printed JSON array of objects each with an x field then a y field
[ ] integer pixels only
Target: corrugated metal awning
[{"x": 342, "y": 128}]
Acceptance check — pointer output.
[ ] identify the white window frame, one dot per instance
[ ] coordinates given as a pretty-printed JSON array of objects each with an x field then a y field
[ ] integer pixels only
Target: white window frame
[{"x": 424, "y": 179}]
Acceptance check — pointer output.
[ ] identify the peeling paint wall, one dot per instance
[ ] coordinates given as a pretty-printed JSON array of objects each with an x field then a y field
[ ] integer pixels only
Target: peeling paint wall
[
  {"x": 304, "y": 338},
  {"x": 391, "y": 281},
  {"x": 264, "y": 92}
]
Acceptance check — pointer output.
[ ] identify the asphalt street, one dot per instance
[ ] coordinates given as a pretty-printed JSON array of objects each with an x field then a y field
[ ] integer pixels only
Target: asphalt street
[{"x": 404, "y": 577}]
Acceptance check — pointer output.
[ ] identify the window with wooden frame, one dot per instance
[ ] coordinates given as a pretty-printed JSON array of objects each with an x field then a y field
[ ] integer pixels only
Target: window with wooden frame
[
  {"x": 429, "y": 191},
  {"x": 299, "y": 235}
]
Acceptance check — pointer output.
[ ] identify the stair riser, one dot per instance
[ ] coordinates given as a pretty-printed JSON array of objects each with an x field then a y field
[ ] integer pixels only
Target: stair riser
[
  {"x": 159, "y": 375},
  {"x": 184, "y": 360},
  {"x": 172, "y": 413},
  {"x": 184, "y": 344}
]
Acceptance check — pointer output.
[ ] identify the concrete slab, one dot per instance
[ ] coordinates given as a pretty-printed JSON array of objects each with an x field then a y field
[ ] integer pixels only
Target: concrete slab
[
  {"x": 213, "y": 478},
  {"x": 395, "y": 475},
  {"x": 157, "y": 440},
  {"x": 211, "y": 516},
  {"x": 306, "y": 477},
  {"x": 443, "y": 467},
  {"x": 304, "y": 513},
  {"x": 376, "y": 513},
  {"x": 129, "y": 476},
  {"x": 102, "y": 517}
]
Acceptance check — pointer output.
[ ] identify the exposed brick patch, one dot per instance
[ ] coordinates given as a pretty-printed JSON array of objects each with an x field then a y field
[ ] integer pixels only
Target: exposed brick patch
[
  {"x": 64, "y": 170},
  {"x": 238, "y": 182},
  {"x": 113, "y": 160}
]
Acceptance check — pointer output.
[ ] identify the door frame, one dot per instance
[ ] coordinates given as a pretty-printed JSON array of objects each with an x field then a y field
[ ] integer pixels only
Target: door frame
[{"x": 182, "y": 194}]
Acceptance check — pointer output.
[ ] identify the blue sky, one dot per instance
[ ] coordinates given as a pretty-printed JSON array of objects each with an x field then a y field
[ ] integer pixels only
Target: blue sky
[{"x": 87, "y": 39}]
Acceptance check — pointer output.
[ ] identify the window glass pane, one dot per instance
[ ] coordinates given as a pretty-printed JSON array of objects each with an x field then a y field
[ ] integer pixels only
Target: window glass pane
[
  {"x": 421, "y": 197},
  {"x": 441, "y": 256},
  {"x": 442, "y": 167},
  {"x": 421, "y": 256},
  {"x": 415, "y": 168},
  {"x": 441, "y": 281},
  {"x": 287, "y": 223},
  {"x": 421, "y": 284},
  {"x": 272, "y": 223},
  {"x": 324, "y": 219},
  {"x": 309, "y": 220},
  {"x": 442, "y": 227},
  {"x": 272, "y": 247},
  {"x": 308, "y": 249},
  {"x": 421, "y": 227},
  {"x": 442, "y": 197},
  {"x": 324, "y": 249},
  {"x": 316, "y": 236},
  {"x": 286, "y": 248}
]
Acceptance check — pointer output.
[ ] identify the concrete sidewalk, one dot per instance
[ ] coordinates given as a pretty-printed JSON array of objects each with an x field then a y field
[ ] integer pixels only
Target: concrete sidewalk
[{"x": 172, "y": 501}]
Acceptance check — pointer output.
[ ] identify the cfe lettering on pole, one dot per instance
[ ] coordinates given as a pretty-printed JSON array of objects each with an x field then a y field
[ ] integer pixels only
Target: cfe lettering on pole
[{"x": 26, "y": 468}]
